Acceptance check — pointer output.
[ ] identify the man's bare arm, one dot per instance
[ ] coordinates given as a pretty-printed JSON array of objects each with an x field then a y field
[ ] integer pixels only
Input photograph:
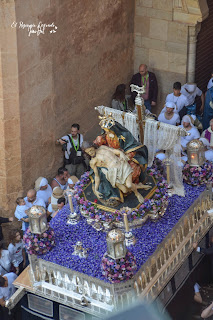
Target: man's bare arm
[{"x": 54, "y": 184}]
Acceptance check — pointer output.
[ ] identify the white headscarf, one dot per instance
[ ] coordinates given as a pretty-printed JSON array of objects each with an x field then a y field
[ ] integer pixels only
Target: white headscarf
[
  {"x": 40, "y": 182},
  {"x": 169, "y": 104},
  {"x": 43, "y": 194},
  {"x": 187, "y": 118}
]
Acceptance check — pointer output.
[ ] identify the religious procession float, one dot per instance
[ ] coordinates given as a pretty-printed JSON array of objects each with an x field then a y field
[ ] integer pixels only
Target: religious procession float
[{"x": 129, "y": 223}]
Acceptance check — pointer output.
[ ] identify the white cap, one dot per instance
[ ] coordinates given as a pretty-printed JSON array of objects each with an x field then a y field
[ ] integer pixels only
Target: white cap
[
  {"x": 170, "y": 104},
  {"x": 70, "y": 181}
]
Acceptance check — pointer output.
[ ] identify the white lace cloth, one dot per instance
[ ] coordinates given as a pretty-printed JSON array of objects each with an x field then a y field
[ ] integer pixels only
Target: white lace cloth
[
  {"x": 158, "y": 136},
  {"x": 126, "y": 119}
]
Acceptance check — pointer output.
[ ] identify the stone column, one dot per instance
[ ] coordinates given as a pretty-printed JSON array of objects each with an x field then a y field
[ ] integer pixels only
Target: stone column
[
  {"x": 10, "y": 155},
  {"x": 192, "y": 45}
]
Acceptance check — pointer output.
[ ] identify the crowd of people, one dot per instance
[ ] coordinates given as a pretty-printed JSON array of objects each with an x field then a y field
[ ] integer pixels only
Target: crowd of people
[{"x": 180, "y": 108}]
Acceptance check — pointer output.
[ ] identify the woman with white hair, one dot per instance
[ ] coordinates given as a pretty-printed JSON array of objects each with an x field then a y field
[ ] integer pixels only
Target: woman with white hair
[
  {"x": 168, "y": 114},
  {"x": 44, "y": 191}
]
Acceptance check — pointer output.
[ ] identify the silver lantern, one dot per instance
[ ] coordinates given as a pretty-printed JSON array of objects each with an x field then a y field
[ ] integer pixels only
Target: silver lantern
[
  {"x": 37, "y": 219},
  {"x": 196, "y": 153},
  {"x": 116, "y": 246}
]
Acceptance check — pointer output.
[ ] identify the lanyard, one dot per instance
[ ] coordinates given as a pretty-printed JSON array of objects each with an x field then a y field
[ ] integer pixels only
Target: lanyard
[
  {"x": 124, "y": 104},
  {"x": 76, "y": 148},
  {"x": 143, "y": 80}
]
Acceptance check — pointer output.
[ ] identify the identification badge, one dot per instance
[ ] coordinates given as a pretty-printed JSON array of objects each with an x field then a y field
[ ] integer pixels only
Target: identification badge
[{"x": 78, "y": 153}]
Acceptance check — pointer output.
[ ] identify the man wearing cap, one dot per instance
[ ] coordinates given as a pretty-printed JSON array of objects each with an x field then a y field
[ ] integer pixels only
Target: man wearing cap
[
  {"x": 168, "y": 115},
  {"x": 148, "y": 80},
  {"x": 190, "y": 90},
  {"x": 43, "y": 189},
  {"x": 180, "y": 100}
]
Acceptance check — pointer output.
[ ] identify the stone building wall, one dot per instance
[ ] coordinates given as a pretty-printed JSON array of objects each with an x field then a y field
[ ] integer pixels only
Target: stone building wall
[
  {"x": 10, "y": 136},
  {"x": 162, "y": 39},
  {"x": 57, "y": 79}
]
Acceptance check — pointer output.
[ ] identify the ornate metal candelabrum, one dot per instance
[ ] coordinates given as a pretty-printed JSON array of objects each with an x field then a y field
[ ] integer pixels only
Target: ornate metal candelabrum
[{"x": 129, "y": 237}]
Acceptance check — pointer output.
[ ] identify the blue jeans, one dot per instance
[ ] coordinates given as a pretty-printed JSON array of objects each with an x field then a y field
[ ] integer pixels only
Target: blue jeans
[
  {"x": 191, "y": 109},
  {"x": 148, "y": 105}
]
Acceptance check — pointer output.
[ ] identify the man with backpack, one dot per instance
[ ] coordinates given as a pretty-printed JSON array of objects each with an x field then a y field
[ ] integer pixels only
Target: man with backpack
[{"x": 73, "y": 157}]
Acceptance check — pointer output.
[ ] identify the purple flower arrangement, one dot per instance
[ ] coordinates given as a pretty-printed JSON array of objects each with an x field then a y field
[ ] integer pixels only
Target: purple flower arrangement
[
  {"x": 39, "y": 244},
  {"x": 117, "y": 270},
  {"x": 197, "y": 176},
  {"x": 153, "y": 205},
  {"x": 157, "y": 169},
  {"x": 148, "y": 236}
]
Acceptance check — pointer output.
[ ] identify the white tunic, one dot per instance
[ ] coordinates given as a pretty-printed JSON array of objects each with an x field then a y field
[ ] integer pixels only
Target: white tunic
[
  {"x": 194, "y": 134},
  {"x": 179, "y": 101},
  {"x": 173, "y": 121},
  {"x": 191, "y": 96},
  {"x": 45, "y": 194}
]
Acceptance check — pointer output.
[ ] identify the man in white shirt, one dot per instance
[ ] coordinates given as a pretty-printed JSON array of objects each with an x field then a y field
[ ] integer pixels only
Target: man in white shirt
[
  {"x": 180, "y": 100},
  {"x": 190, "y": 90},
  {"x": 73, "y": 157},
  {"x": 32, "y": 200}
]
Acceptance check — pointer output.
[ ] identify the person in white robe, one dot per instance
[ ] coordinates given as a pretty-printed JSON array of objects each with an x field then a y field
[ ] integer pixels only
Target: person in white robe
[
  {"x": 44, "y": 191},
  {"x": 168, "y": 114}
]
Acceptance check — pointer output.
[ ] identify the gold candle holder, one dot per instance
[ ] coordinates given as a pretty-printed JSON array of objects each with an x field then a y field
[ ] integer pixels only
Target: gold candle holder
[{"x": 70, "y": 203}]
